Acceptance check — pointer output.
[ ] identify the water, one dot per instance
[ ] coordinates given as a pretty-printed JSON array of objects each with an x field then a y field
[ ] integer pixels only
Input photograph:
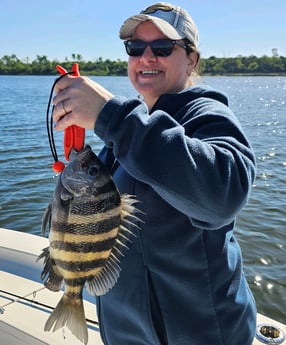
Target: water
[{"x": 27, "y": 180}]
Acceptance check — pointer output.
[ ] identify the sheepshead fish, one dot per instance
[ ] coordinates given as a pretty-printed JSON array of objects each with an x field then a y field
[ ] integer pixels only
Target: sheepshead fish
[{"x": 88, "y": 221}]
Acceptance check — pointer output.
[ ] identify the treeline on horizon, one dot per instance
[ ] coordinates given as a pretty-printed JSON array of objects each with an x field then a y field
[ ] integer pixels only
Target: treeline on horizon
[{"x": 41, "y": 65}]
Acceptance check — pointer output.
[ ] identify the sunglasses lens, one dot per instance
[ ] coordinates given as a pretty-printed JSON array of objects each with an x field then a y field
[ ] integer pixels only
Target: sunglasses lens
[
  {"x": 162, "y": 47},
  {"x": 135, "y": 48}
]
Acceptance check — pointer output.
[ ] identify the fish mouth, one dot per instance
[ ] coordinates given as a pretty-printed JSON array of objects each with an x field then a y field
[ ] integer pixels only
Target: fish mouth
[
  {"x": 83, "y": 151},
  {"x": 86, "y": 148},
  {"x": 80, "y": 157}
]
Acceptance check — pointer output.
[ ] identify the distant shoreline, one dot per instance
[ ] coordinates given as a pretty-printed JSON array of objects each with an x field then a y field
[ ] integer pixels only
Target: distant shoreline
[
  {"x": 235, "y": 66},
  {"x": 201, "y": 75}
]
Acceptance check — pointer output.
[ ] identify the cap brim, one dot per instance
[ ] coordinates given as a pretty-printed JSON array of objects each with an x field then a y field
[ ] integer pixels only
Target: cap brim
[{"x": 130, "y": 25}]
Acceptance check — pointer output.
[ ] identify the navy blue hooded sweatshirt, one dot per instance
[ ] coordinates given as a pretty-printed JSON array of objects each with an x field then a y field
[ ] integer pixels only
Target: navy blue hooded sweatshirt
[{"x": 191, "y": 167}]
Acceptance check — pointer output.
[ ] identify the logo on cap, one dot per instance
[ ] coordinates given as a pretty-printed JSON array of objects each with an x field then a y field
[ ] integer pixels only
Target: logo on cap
[{"x": 157, "y": 7}]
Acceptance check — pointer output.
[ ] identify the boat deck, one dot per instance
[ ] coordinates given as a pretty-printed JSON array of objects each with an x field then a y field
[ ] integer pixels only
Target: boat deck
[{"x": 25, "y": 303}]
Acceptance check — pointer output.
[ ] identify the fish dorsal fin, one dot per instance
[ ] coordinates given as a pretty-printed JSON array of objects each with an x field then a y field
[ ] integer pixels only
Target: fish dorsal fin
[
  {"x": 106, "y": 279},
  {"x": 108, "y": 276}
]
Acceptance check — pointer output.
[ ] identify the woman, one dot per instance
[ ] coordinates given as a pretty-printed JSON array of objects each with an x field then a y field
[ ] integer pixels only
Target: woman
[{"x": 182, "y": 152}]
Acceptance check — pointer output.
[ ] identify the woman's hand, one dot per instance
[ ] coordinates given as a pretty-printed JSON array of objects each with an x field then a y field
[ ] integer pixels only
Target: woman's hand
[{"x": 78, "y": 101}]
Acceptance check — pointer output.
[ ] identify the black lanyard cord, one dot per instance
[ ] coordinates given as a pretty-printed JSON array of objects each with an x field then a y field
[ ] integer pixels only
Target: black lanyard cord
[{"x": 49, "y": 120}]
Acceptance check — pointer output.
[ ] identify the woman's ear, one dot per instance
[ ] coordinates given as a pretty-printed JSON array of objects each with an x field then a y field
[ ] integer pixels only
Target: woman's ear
[{"x": 193, "y": 60}]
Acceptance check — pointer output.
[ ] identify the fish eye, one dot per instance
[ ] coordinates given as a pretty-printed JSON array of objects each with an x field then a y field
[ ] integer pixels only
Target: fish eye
[{"x": 93, "y": 170}]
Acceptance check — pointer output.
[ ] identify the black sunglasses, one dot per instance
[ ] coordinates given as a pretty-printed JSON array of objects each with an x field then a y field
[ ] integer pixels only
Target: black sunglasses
[{"x": 161, "y": 47}]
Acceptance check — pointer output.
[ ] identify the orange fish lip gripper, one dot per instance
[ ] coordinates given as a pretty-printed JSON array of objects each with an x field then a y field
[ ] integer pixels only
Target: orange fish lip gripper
[{"x": 74, "y": 135}]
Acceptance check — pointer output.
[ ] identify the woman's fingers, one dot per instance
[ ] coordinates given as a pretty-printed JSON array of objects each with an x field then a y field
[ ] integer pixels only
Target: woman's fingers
[{"x": 78, "y": 101}]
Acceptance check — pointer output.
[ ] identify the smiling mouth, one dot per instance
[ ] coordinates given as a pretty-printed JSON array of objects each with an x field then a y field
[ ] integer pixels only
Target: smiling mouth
[{"x": 150, "y": 72}]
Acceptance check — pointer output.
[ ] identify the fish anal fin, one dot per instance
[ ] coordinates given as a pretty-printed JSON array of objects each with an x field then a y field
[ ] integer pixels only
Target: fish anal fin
[
  {"x": 70, "y": 313},
  {"x": 54, "y": 280}
]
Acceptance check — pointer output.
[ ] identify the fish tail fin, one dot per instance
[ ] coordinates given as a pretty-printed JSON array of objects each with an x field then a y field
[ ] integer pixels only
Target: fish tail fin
[{"x": 70, "y": 313}]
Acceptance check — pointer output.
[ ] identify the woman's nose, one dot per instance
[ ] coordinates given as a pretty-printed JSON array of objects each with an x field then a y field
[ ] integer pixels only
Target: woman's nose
[{"x": 148, "y": 54}]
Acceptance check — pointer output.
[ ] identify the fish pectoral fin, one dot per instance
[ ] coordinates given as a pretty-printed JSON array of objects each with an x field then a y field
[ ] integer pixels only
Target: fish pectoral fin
[
  {"x": 70, "y": 314},
  {"x": 54, "y": 280},
  {"x": 105, "y": 279}
]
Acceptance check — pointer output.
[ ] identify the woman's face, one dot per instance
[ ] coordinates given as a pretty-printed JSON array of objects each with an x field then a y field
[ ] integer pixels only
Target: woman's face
[{"x": 153, "y": 76}]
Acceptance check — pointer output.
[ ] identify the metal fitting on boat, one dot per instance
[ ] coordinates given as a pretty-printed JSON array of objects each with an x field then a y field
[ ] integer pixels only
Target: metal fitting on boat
[{"x": 269, "y": 334}]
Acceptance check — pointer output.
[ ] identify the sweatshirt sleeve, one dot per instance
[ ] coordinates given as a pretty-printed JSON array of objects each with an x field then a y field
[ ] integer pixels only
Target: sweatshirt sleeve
[{"x": 197, "y": 159}]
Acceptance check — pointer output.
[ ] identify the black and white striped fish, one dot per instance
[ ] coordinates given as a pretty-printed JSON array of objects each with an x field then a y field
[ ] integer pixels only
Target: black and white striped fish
[{"x": 88, "y": 222}]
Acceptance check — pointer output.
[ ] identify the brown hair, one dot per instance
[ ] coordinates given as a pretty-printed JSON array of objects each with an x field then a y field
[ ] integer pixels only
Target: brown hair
[{"x": 191, "y": 48}]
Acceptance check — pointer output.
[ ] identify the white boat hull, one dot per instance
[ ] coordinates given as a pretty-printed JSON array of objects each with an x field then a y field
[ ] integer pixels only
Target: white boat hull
[
  {"x": 22, "y": 321},
  {"x": 25, "y": 303}
]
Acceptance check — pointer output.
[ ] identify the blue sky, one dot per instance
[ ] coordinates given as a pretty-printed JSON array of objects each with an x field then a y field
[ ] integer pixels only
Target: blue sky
[{"x": 59, "y": 28}]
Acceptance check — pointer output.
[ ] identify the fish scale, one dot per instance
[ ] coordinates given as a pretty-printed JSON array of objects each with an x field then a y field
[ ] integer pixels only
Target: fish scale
[{"x": 90, "y": 223}]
